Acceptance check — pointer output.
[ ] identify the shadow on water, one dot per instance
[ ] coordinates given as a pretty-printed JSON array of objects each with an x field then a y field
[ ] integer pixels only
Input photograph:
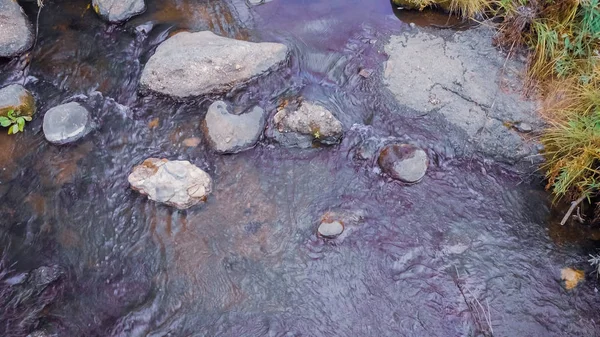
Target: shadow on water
[{"x": 248, "y": 262}]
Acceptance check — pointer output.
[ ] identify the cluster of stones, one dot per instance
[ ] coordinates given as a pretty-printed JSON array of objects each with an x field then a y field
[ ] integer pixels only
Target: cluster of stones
[{"x": 190, "y": 65}]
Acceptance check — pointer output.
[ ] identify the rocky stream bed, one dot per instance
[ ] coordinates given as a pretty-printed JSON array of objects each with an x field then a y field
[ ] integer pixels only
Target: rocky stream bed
[{"x": 274, "y": 168}]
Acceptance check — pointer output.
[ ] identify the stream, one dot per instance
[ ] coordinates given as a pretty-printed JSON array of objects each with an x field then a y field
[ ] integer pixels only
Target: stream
[{"x": 474, "y": 239}]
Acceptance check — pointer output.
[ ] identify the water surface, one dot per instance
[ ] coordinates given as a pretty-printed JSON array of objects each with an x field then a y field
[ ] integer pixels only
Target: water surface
[{"x": 417, "y": 261}]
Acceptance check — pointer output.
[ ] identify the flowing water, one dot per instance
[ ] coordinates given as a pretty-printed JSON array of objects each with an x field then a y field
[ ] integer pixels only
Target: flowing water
[{"x": 420, "y": 260}]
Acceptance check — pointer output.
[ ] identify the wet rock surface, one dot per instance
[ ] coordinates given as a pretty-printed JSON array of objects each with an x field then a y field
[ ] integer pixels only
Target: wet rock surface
[
  {"x": 118, "y": 10},
  {"x": 230, "y": 133},
  {"x": 467, "y": 81},
  {"x": 331, "y": 229},
  {"x": 404, "y": 162},
  {"x": 16, "y": 32},
  {"x": 176, "y": 183},
  {"x": 15, "y": 97},
  {"x": 66, "y": 123},
  {"x": 306, "y": 124},
  {"x": 194, "y": 64}
]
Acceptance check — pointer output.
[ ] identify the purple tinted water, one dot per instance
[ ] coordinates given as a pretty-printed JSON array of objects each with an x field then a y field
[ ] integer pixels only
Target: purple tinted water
[{"x": 248, "y": 263}]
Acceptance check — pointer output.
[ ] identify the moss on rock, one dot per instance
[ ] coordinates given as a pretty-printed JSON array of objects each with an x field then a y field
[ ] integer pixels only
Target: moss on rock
[{"x": 16, "y": 97}]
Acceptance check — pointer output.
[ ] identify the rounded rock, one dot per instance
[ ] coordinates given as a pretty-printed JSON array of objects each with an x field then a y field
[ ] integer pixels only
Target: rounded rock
[
  {"x": 118, "y": 10},
  {"x": 404, "y": 162},
  {"x": 15, "y": 97},
  {"x": 66, "y": 123},
  {"x": 229, "y": 133},
  {"x": 331, "y": 229},
  {"x": 16, "y": 32}
]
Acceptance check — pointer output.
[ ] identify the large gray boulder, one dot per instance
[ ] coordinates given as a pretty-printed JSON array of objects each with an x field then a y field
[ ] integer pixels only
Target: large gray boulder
[
  {"x": 466, "y": 81},
  {"x": 15, "y": 97},
  {"x": 305, "y": 125},
  {"x": 66, "y": 123},
  {"x": 194, "y": 64},
  {"x": 118, "y": 10},
  {"x": 404, "y": 162},
  {"x": 16, "y": 32},
  {"x": 176, "y": 183},
  {"x": 229, "y": 133}
]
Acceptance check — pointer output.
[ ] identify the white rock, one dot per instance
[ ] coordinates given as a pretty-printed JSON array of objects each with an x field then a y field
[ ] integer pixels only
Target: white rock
[{"x": 175, "y": 183}]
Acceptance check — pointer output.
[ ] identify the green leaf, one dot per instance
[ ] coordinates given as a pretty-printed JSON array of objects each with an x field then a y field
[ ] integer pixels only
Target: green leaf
[
  {"x": 27, "y": 118},
  {"x": 15, "y": 128},
  {"x": 10, "y": 114},
  {"x": 21, "y": 124},
  {"x": 10, "y": 130},
  {"x": 5, "y": 121}
]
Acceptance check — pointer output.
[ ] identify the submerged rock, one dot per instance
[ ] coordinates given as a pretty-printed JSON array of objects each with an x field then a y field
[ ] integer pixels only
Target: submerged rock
[
  {"x": 45, "y": 275},
  {"x": 194, "y": 64},
  {"x": 118, "y": 10},
  {"x": 66, "y": 123},
  {"x": 176, "y": 183},
  {"x": 16, "y": 32},
  {"x": 330, "y": 230},
  {"x": 310, "y": 122},
  {"x": 229, "y": 133},
  {"x": 16, "y": 97},
  {"x": 404, "y": 162}
]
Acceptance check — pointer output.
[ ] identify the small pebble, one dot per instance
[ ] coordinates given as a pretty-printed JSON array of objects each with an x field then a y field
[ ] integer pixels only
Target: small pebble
[
  {"x": 524, "y": 127},
  {"x": 412, "y": 25},
  {"x": 330, "y": 230}
]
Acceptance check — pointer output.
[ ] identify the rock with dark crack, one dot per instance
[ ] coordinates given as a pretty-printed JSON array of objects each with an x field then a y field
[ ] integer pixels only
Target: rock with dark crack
[
  {"x": 16, "y": 98},
  {"x": 195, "y": 64},
  {"x": 404, "y": 162},
  {"x": 305, "y": 125},
  {"x": 229, "y": 133},
  {"x": 463, "y": 78},
  {"x": 118, "y": 10},
  {"x": 66, "y": 123},
  {"x": 176, "y": 183},
  {"x": 16, "y": 32}
]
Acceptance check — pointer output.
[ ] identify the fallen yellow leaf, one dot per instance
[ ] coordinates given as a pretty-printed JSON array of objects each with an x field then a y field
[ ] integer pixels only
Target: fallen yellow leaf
[{"x": 571, "y": 277}]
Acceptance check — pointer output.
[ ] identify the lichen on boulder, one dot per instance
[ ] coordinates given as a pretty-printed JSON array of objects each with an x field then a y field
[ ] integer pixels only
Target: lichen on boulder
[{"x": 308, "y": 123}]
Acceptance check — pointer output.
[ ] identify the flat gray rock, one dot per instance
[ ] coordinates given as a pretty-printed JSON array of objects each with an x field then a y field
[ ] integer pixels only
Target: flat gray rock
[
  {"x": 66, "y": 123},
  {"x": 195, "y": 64},
  {"x": 176, "y": 183},
  {"x": 404, "y": 162},
  {"x": 467, "y": 81},
  {"x": 229, "y": 133},
  {"x": 16, "y": 32},
  {"x": 118, "y": 10},
  {"x": 15, "y": 97},
  {"x": 310, "y": 122}
]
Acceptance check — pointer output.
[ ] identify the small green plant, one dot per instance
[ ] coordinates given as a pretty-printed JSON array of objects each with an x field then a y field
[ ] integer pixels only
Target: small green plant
[{"x": 14, "y": 122}]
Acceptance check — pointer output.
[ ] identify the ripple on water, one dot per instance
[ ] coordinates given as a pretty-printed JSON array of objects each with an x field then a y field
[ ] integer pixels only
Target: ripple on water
[{"x": 249, "y": 262}]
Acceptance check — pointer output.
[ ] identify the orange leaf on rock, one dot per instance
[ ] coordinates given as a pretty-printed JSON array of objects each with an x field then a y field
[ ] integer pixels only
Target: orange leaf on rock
[{"x": 572, "y": 277}]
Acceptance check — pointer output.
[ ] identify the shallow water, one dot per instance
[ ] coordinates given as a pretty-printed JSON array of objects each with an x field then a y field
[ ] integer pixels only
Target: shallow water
[{"x": 248, "y": 262}]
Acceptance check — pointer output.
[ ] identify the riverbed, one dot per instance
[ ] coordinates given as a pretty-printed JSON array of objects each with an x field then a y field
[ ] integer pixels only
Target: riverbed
[{"x": 475, "y": 236}]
